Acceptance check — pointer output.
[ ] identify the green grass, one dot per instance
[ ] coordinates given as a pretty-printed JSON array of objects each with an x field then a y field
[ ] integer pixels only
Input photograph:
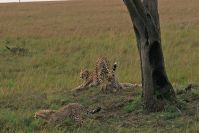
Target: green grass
[{"x": 63, "y": 37}]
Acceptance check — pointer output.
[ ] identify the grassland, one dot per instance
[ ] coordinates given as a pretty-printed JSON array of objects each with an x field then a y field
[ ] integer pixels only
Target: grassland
[{"x": 64, "y": 37}]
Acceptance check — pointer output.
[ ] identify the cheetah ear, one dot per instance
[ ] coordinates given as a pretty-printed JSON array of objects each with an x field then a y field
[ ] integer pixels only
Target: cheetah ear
[
  {"x": 82, "y": 69},
  {"x": 53, "y": 111}
]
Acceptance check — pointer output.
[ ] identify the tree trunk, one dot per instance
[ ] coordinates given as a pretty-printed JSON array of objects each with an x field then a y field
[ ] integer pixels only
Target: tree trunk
[{"x": 156, "y": 86}]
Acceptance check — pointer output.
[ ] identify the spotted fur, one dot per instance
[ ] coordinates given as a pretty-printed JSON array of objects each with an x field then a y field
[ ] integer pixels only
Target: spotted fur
[
  {"x": 73, "y": 111},
  {"x": 102, "y": 73}
]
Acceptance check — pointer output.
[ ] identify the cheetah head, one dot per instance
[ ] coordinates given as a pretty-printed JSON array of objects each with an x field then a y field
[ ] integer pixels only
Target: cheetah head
[
  {"x": 44, "y": 114},
  {"x": 84, "y": 74}
]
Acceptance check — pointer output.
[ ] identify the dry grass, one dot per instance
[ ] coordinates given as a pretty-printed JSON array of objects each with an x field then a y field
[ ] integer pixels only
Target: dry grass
[
  {"x": 63, "y": 37},
  {"x": 90, "y": 20}
]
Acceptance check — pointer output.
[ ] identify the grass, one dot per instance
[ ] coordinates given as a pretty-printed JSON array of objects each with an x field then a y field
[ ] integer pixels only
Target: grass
[{"x": 64, "y": 37}]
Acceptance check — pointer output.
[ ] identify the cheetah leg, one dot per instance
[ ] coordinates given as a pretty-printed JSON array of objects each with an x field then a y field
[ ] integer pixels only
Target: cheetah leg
[
  {"x": 78, "y": 119},
  {"x": 102, "y": 88}
]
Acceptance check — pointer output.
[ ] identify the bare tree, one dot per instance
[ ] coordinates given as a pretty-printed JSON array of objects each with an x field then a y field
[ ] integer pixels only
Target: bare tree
[{"x": 156, "y": 86}]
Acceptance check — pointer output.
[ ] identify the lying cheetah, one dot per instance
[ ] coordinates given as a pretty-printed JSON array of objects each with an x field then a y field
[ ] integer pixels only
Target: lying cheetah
[
  {"x": 73, "y": 111},
  {"x": 17, "y": 50}
]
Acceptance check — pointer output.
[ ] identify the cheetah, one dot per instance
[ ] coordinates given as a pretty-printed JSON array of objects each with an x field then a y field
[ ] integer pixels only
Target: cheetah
[
  {"x": 102, "y": 75},
  {"x": 73, "y": 111},
  {"x": 99, "y": 74},
  {"x": 17, "y": 50}
]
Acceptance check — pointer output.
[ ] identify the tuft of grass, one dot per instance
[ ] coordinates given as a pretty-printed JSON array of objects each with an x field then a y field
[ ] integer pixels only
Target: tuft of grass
[
  {"x": 135, "y": 105},
  {"x": 171, "y": 112}
]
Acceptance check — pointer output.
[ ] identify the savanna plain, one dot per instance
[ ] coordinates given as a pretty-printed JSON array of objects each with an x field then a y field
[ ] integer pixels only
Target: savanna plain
[{"x": 63, "y": 37}]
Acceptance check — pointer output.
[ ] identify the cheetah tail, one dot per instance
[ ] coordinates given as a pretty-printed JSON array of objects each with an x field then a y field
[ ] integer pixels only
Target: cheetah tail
[
  {"x": 98, "y": 109},
  {"x": 114, "y": 67}
]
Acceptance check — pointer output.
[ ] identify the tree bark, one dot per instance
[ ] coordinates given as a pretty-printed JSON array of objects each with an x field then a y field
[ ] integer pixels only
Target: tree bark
[{"x": 156, "y": 86}]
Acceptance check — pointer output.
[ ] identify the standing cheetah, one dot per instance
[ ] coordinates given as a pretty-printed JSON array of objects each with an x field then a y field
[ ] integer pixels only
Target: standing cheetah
[{"x": 102, "y": 75}]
